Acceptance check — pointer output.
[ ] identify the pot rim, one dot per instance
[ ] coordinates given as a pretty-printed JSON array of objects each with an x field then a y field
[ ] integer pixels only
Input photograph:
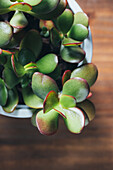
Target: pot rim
[{"x": 23, "y": 111}]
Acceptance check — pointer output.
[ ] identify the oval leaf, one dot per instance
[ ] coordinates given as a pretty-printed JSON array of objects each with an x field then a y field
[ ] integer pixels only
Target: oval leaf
[
  {"x": 76, "y": 87},
  {"x": 48, "y": 63},
  {"x": 30, "y": 99},
  {"x": 88, "y": 72},
  {"x": 88, "y": 107},
  {"x": 32, "y": 41},
  {"x": 5, "y": 33},
  {"x": 65, "y": 21},
  {"x": 81, "y": 18},
  {"x": 66, "y": 76},
  {"x": 47, "y": 123},
  {"x": 42, "y": 85},
  {"x": 78, "y": 32},
  {"x": 75, "y": 120}
]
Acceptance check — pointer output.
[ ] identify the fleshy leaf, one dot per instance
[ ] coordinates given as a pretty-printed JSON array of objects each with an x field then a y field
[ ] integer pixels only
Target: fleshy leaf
[
  {"x": 32, "y": 41},
  {"x": 32, "y": 2},
  {"x": 81, "y": 18},
  {"x": 70, "y": 42},
  {"x": 78, "y": 32},
  {"x": 88, "y": 72},
  {"x": 30, "y": 99},
  {"x": 72, "y": 54},
  {"x": 75, "y": 120},
  {"x": 47, "y": 123},
  {"x": 12, "y": 101},
  {"x": 50, "y": 101},
  {"x": 48, "y": 63},
  {"x": 21, "y": 7},
  {"x": 55, "y": 37},
  {"x": 76, "y": 87},
  {"x": 66, "y": 76},
  {"x": 3, "y": 93},
  {"x": 42, "y": 85},
  {"x": 5, "y": 4},
  {"x": 45, "y": 6},
  {"x": 17, "y": 67},
  {"x": 26, "y": 56},
  {"x": 10, "y": 78},
  {"x": 3, "y": 56},
  {"x": 55, "y": 13},
  {"x": 67, "y": 101},
  {"x": 5, "y": 33},
  {"x": 65, "y": 21},
  {"x": 88, "y": 107},
  {"x": 18, "y": 20}
]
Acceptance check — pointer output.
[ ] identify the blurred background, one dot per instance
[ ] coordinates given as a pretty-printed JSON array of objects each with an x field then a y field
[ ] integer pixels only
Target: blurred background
[{"x": 23, "y": 147}]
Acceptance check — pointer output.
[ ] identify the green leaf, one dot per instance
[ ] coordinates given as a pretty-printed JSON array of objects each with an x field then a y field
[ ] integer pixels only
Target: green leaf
[
  {"x": 10, "y": 78},
  {"x": 3, "y": 56},
  {"x": 75, "y": 120},
  {"x": 55, "y": 12},
  {"x": 47, "y": 64},
  {"x": 3, "y": 93},
  {"x": 18, "y": 20},
  {"x": 66, "y": 76},
  {"x": 56, "y": 73},
  {"x": 42, "y": 85},
  {"x": 88, "y": 107},
  {"x": 67, "y": 101},
  {"x": 72, "y": 54},
  {"x": 45, "y": 6},
  {"x": 47, "y": 123},
  {"x": 65, "y": 21},
  {"x": 88, "y": 72},
  {"x": 4, "y": 11},
  {"x": 81, "y": 18},
  {"x": 21, "y": 7},
  {"x": 17, "y": 67},
  {"x": 5, "y": 33},
  {"x": 30, "y": 99},
  {"x": 32, "y": 2},
  {"x": 55, "y": 37},
  {"x": 33, "y": 42},
  {"x": 12, "y": 101},
  {"x": 76, "y": 87},
  {"x": 78, "y": 32},
  {"x": 26, "y": 56},
  {"x": 50, "y": 101},
  {"x": 5, "y": 4}
]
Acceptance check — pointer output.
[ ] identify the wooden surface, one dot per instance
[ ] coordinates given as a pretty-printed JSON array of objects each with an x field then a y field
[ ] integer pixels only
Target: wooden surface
[{"x": 23, "y": 148}]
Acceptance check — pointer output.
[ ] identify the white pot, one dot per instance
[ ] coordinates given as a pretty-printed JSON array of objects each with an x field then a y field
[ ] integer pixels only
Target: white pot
[{"x": 23, "y": 111}]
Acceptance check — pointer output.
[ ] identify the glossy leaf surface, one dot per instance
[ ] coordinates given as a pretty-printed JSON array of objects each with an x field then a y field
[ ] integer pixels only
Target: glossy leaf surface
[
  {"x": 48, "y": 63},
  {"x": 32, "y": 41},
  {"x": 42, "y": 85},
  {"x": 88, "y": 72},
  {"x": 78, "y": 32},
  {"x": 30, "y": 99},
  {"x": 12, "y": 101},
  {"x": 76, "y": 87},
  {"x": 50, "y": 101},
  {"x": 47, "y": 123},
  {"x": 67, "y": 101},
  {"x": 5, "y": 33},
  {"x": 75, "y": 120},
  {"x": 81, "y": 18},
  {"x": 72, "y": 54},
  {"x": 21, "y": 7}
]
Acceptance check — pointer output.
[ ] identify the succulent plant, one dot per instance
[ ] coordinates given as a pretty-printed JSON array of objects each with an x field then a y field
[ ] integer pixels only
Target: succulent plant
[{"x": 40, "y": 49}]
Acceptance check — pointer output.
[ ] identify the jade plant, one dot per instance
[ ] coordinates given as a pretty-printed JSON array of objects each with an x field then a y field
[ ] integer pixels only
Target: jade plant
[{"x": 40, "y": 52}]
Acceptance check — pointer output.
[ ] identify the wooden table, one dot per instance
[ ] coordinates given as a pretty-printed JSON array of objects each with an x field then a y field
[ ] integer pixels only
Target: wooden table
[{"x": 22, "y": 147}]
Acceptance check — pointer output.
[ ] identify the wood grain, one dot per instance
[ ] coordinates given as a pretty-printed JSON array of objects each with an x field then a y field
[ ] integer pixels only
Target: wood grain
[{"x": 23, "y": 148}]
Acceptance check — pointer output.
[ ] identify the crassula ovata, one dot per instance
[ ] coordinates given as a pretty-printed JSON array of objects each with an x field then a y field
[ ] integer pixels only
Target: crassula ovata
[{"x": 40, "y": 49}]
